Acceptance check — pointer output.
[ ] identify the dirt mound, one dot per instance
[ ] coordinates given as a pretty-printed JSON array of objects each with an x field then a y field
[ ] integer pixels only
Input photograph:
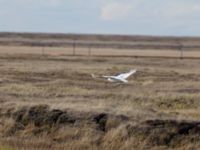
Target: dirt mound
[
  {"x": 104, "y": 130},
  {"x": 107, "y": 122},
  {"x": 154, "y": 134},
  {"x": 41, "y": 116},
  {"x": 170, "y": 133}
]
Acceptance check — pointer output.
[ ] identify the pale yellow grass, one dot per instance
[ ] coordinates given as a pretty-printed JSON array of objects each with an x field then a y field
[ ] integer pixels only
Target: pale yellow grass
[{"x": 97, "y": 51}]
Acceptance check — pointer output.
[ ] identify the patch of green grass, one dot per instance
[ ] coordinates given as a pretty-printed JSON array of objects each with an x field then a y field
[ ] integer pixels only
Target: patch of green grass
[{"x": 3, "y": 147}]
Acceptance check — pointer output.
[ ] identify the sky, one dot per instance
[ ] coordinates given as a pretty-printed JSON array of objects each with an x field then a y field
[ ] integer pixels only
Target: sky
[{"x": 131, "y": 17}]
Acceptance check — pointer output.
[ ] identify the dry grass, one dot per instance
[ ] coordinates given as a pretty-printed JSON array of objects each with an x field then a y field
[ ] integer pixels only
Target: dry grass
[
  {"x": 161, "y": 100},
  {"x": 9, "y": 50}
]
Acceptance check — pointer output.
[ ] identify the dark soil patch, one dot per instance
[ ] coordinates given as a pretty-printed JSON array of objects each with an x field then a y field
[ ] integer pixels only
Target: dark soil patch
[{"x": 189, "y": 90}]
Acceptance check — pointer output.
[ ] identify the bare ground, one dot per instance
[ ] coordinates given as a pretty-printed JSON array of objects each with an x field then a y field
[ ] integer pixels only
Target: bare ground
[{"x": 51, "y": 102}]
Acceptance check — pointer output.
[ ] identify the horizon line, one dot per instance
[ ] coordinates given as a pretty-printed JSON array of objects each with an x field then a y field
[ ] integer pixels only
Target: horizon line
[{"x": 100, "y": 34}]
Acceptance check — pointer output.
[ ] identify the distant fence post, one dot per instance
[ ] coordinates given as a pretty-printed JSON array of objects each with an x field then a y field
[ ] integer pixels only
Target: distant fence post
[
  {"x": 180, "y": 47},
  {"x": 181, "y": 50},
  {"x": 43, "y": 48},
  {"x": 89, "y": 50},
  {"x": 74, "y": 48}
]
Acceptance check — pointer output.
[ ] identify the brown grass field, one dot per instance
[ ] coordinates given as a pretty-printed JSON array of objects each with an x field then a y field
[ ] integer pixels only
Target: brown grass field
[{"x": 49, "y": 101}]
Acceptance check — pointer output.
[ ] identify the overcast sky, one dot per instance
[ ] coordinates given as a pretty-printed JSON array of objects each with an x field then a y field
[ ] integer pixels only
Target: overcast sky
[{"x": 141, "y": 17}]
